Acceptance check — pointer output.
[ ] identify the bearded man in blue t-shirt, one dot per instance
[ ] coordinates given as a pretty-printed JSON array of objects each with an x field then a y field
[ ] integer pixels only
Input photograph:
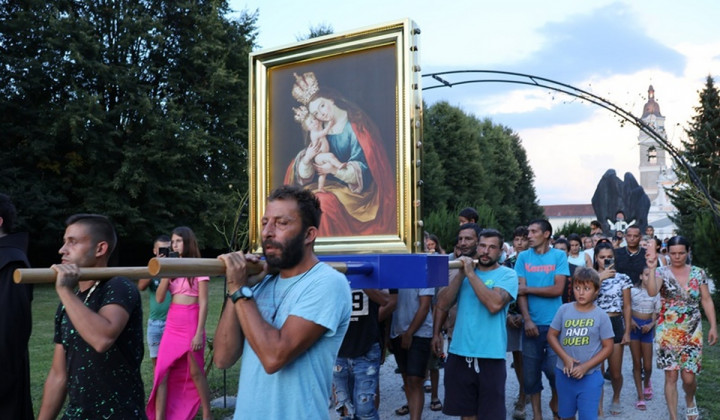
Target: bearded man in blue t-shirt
[{"x": 475, "y": 370}]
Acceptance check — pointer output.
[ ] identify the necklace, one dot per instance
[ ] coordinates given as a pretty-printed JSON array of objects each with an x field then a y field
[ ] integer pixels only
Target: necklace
[
  {"x": 285, "y": 293},
  {"x": 92, "y": 289}
]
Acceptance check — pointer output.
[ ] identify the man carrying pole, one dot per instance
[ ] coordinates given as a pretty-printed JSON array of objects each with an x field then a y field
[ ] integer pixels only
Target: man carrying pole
[
  {"x": 289, "y": 326},
  {"x": 98, "y": 332}
]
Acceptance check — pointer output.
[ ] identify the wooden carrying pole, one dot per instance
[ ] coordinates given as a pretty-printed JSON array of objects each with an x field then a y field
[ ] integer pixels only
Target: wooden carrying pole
[
  {"x": 47, "y": 275},
  {"x": 171, "y": 267}
]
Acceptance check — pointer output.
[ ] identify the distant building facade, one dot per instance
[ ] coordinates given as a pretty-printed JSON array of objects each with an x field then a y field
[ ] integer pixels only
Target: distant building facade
[{"x": 560, "y": 214}]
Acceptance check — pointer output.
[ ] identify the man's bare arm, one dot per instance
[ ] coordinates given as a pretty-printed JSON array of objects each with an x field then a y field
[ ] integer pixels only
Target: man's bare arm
[
  {"x": 55, "y": 389},
  {"x": 229, "y": 338}
]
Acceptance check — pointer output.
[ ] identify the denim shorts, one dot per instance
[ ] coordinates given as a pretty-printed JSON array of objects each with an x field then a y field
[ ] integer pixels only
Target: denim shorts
[
  {"x": 355, "y": 380},
  {"x": 636, "y": 334},
  {"x": 538, "y": 357},
  {"x": 155, "y": 330}
]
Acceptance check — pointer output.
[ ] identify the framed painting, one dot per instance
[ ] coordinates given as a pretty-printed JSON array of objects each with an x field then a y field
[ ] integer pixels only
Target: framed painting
[{"x": 341, "y": 115}]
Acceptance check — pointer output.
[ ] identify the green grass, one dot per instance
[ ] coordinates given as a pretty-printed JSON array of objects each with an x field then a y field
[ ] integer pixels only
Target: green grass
[
  {"x": 709, "y": 379},
  {"x": 41, "y": 345}
]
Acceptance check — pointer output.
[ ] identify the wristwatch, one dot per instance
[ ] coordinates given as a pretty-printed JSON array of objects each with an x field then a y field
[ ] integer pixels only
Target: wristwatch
[{"x": 244, "y": 293}]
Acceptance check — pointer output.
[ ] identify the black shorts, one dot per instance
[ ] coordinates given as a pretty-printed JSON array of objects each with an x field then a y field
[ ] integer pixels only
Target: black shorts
[
  {"x": 475, "y": 387},
  {"x": 413, "y": 361},
  {"x": 618, "y": 326}
]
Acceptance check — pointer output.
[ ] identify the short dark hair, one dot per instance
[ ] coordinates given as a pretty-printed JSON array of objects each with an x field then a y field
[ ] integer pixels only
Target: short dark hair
[
  {"x": 470, "y": 214},
  {"x": 162, "y": 238},
  {"x": 520, "y": 231},
  {"x": 633, "y": 227},
  {"x": 619, "y": 212},
  {"x": 544, "y": 224},
  {"x": 586, "y": 275},
  {"x": 491, "y": 233},
  {"x": 101, "y": 229},
  {"x": 574, "y": 237},
  {"x": 307, "y": 202},
  {"x": 595, "y": 223},
  {"x": 473, "y": 226},
  {"x": 562, "y": 241},
  {"x": 8, "y": 213}
]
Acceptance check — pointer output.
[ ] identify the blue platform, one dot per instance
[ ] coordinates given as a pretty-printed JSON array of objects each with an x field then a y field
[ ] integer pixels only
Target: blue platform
[{"x": 394, "y": 271}]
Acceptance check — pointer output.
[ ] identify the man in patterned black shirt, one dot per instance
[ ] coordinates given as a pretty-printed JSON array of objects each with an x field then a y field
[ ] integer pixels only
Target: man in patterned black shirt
[{"x": 98, "y": 332}]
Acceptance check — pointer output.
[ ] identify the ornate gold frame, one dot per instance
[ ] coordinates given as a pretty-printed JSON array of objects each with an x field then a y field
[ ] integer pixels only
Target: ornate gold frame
[{"x": 354, "y": 60}]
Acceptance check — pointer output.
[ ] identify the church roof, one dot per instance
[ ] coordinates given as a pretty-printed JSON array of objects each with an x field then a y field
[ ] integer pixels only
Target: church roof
[
  {"x": 651, "y": 107},
  {"x": 569, "y": 210}
]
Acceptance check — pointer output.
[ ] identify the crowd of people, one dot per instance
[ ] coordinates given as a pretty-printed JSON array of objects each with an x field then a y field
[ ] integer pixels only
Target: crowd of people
[{"x": 564, "y": 308}]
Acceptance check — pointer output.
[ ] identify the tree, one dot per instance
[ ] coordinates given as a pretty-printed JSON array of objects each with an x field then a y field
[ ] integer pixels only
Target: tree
[
  {"x": 137, "y": 110},
  {"x": 695, "y": 218},
  {"x": 473, "y": 161},
  {"x": 316, "y": 31}
]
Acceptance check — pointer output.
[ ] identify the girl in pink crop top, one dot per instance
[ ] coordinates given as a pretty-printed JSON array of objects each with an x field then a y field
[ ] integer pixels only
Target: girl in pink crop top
[
  {"x": 182, "y": 346},
  {"x": 183, "y": 285}
]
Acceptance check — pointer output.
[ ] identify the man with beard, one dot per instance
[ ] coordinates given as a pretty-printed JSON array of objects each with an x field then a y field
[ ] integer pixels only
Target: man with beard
[
  {"x": 288, "y": 327},
  {"x": 475, "y": 369}
]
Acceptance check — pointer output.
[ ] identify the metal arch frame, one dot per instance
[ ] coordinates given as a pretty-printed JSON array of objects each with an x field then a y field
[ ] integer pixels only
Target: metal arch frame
[{"x": 542, "y": 82}]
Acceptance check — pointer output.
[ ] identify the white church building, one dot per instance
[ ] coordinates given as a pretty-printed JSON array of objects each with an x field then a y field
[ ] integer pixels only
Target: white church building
[{"x": 655, "y": 176}]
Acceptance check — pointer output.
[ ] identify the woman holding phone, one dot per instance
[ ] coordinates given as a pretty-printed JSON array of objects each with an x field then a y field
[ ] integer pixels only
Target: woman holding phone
[
  {"x": 180, "y": 386},
  {"x": 678, "y": 337},
  {"x": 614, "y": 299}
]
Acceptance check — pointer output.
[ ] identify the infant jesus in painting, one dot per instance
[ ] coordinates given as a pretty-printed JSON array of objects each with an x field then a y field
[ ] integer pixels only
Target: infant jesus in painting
[{"x": 319, "y": 148}]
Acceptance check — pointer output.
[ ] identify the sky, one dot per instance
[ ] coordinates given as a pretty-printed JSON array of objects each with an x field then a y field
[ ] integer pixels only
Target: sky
[{"x": 613, "y": 49}]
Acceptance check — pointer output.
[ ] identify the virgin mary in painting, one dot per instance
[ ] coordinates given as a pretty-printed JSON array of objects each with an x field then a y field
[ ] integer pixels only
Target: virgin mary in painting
[{"x": 359, "y": 195}]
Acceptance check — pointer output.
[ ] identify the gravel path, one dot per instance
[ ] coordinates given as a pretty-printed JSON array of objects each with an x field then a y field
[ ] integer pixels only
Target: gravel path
[{"x": 392, "y": 396}]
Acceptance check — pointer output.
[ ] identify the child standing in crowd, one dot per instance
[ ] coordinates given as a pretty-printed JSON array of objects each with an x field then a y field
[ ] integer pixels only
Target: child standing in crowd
[
  {"x": 644, "y": 314},
  {"x": 582, "y": 337}
]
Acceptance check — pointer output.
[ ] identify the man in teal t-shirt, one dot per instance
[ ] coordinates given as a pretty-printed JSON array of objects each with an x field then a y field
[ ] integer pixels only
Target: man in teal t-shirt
[
  {"x": 475, "y": 368},
  {"x": 158, "y": 311},
  {"x": 542, "y": 272}
]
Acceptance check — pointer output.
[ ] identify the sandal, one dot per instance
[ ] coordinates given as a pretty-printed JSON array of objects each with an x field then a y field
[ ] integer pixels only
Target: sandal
[
  {"x": 435, "y": 405},
  {"x": 640, "y": 405},
  {"x": 615, "y": 409},
  {"x": 402, "y": 411},
  {"x": 648, "y": 392},
  {"x": 428, "y": 386},
  {"x": 692, "y": 412}
]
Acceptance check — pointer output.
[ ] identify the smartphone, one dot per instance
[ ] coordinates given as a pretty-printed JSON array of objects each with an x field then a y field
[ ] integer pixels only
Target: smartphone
[
  {"x": 609, "y": 263},
  {"x": 173, "y": 254},
  {"x": 164, "y": 251}
]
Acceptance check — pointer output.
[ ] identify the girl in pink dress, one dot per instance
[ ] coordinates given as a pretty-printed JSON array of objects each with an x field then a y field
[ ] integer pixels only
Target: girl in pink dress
[{"x": 180, "y": 386}]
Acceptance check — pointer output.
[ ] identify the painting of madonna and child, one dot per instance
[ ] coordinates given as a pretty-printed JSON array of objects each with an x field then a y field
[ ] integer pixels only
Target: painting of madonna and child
[{"x": 332, "y": 129}]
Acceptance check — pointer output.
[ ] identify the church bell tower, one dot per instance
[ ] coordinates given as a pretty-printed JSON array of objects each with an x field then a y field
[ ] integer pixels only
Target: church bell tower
[{"x": 652, "y": 156}]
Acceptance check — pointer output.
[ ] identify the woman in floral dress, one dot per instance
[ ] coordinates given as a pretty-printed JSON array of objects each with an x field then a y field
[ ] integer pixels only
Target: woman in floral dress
[{"x": 683, "y": 288}]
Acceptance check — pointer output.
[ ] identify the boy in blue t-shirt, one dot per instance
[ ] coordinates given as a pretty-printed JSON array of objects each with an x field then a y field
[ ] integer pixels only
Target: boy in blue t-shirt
[{"x": 582, "y": 337}]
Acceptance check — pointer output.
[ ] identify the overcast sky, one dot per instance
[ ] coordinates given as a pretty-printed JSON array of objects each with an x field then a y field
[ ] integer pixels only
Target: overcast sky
[{"x": 613, "y": 49}]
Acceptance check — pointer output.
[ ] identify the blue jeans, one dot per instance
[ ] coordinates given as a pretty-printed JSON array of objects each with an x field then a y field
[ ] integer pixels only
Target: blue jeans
[
  {"x": 155, "y": 330},
  {"x": 355, "y": 381},
  {"x": 538, "y": 357}
]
